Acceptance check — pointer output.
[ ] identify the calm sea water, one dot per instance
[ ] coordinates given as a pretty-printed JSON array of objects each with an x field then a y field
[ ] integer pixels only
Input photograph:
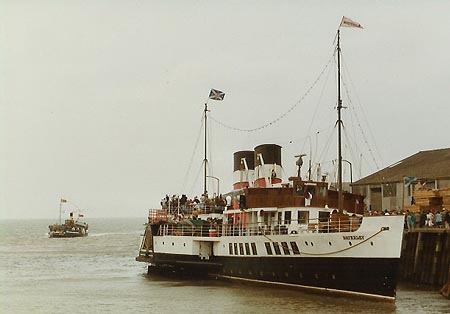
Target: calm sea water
[{"x": 98, "y": 274}]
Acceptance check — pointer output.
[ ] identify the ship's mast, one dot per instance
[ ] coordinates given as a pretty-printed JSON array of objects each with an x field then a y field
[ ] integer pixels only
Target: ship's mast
[
  {"x": 339, "y": 124},
  {"x": 205, "y": 160}
]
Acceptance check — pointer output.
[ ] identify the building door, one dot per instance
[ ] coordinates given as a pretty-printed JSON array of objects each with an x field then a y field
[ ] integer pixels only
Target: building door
[{"x": 375, "y": 199}]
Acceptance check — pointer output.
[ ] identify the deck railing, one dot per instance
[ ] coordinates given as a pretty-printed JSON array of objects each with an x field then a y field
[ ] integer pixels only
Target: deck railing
[{"x": 349, "y": 224}]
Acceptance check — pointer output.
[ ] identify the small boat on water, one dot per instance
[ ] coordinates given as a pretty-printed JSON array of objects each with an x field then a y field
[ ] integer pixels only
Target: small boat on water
[
  {"x": 71, "y": 228},
  {"x": 298, "y": 234}
]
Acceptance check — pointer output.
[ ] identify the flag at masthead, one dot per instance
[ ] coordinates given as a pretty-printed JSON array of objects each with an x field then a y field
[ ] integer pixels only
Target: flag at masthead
[{"x": 215, "y": 94}]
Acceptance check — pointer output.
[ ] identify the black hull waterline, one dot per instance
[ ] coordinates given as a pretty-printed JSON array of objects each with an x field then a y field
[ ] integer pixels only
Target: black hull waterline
[
  {"x": 374, "y": 278},
  {"x": 67, "y": 236}
]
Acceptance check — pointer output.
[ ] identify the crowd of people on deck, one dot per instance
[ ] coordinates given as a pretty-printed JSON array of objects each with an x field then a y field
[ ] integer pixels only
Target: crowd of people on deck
[{"x": 188, "y": 205}]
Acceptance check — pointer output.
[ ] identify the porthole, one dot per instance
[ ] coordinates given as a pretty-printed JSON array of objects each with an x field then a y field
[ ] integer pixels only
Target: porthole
[
  {"x": 316, "y": 276},
  {"x": 184, "y": 244},
  {"x": 173, "y": 244},
  {"x": 312, "y": 244},
  {"x": 350, "y": 243},
  {"x": 286, "y": 274},
  {"x": 306, "y": 243},
  {"x": 333, "y": 276},
  {"x": 261, "y": 273},
  {"x": 371, "y": 243},
  {"x": 300, "y": 276},
  {"x": 273, "y": 274},
  {"x": 329, "y": 243}
]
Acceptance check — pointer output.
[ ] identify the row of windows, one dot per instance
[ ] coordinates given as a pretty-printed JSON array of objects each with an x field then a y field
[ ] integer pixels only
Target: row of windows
[
  {"x": 302, "y": 217},
  {"x": 244, "y": 248},
  {"x": 284, "y": 246},
  {"x": 234, "y": 246}
]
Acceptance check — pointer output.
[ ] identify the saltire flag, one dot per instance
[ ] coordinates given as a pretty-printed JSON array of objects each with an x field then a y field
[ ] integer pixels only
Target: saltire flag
[
  {"x": 63, "y": 201},
  {"x": 215, "y": 94},
  {"x": 346, "y": 22},
  {"x": 409, "y": 180}
]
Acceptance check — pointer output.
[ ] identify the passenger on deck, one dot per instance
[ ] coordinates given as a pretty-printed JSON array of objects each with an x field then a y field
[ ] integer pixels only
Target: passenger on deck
[{"x": 308, "y": 199}]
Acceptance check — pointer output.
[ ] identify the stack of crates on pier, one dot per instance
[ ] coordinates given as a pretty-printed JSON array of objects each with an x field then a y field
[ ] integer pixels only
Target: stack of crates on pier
[
  {"x": 445, "y": 194},
  {"x": 427, "y": 200}
]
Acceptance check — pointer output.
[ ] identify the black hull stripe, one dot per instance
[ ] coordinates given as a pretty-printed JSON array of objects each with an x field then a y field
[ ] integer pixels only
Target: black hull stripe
[{"x": 365, "y": 277}]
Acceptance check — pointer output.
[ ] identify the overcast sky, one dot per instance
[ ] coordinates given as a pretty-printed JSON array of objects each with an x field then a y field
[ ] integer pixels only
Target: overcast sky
[{"x": 101, "y": 102}]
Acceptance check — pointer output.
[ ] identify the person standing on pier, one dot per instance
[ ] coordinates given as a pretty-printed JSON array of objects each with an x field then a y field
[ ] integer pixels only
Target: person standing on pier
[
  {"x": 447, "y": 219},
  {"x": 438, "y": 219},
  {"x": 411, "y": 221},
  {"x": 422, "y": 219}
]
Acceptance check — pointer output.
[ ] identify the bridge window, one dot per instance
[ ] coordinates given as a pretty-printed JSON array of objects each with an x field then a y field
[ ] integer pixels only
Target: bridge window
[
  {"x": 324, "y": 216},
  {"x": 287, "y": 217},
  {"x": 303, "y": 217},
  {"x": 241, "y": 249},
  {"x": 235, "y": 249},
  {"x": 230, "y": 248}
]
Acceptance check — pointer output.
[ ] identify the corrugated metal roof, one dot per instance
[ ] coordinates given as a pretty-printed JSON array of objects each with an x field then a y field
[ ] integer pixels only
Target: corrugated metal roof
[{"x": 430, "y": 164}]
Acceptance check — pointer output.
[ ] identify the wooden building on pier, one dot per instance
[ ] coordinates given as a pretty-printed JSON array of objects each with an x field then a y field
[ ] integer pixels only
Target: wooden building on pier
[{"x": 392, "y": 187}]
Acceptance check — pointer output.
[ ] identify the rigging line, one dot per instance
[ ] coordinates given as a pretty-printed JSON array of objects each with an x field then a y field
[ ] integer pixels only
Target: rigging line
[
  {"x": 327, "y": 144},
  {"x": 77, "y": 208},
  {"x": 325, "y": 149},
  {"x": 319, "y": 100},
  {"x": 364, "y": 116},
  {"x": 210, "y": 160},
  {"x": 333, "y": 172},
  {"x": 284, "y": 114},
  {"x": 350, "y": 148},
  {"x": 350, "y": 143},
  {"x": 199, "y": 172},
  {"x": 304, "y": 138},
  {"x": 193, "y": 153},
  {"x": 361, "y": 128},
  {"x": 366, "y": 141}
]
